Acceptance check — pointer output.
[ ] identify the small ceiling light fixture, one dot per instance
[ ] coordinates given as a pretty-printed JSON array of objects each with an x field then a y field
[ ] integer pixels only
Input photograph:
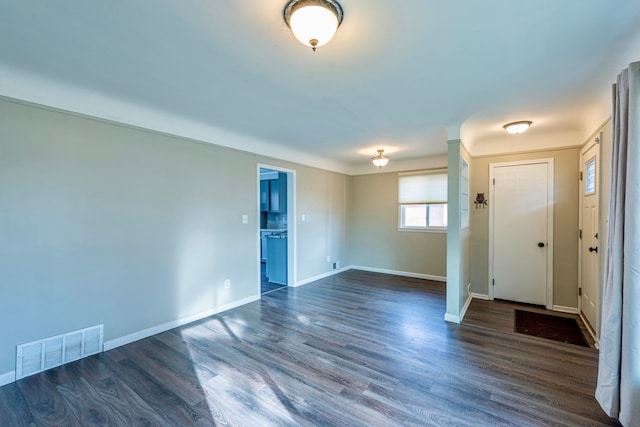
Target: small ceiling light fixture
[
  {"x": 517, "y": 127},
  {"x": 380, "y": 160},
  {"x": 313, "y": 22}
]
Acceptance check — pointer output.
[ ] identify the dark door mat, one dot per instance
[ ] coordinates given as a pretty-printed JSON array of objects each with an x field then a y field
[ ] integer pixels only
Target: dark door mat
[{"x": 557, "y": 328}]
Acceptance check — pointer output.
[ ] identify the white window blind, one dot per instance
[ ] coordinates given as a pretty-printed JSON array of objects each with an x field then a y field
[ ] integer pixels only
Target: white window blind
[
  {"x": 422, "y": 201},
  {"x": 422, "y": 187}
]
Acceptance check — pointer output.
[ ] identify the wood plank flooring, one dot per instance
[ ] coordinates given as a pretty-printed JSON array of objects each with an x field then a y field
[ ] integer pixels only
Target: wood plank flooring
[
  {"x": 355, "y": 349},
  {"x": 499, "y": 315}
]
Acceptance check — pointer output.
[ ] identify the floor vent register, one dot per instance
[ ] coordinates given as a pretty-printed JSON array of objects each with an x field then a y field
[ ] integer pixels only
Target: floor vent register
[{"x": 38, "y": 356}]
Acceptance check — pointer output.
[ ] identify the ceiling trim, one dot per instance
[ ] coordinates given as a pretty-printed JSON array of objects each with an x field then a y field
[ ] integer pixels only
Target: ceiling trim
[{"x": 28, "y": 89}]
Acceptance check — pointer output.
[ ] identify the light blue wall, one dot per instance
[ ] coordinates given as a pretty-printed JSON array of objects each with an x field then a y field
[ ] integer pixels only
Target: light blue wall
[
  {"x": 101, "y": 223},
  {"x": 375, "y": 239},
  {"x": 458, "y": 238}
]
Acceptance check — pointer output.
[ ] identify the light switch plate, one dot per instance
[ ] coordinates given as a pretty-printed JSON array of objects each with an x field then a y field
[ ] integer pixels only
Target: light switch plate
[{"x": 245, "y": 219}]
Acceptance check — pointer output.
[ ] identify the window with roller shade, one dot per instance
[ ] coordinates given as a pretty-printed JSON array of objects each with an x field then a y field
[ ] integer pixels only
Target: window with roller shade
[{"x": 422, "y": 200}]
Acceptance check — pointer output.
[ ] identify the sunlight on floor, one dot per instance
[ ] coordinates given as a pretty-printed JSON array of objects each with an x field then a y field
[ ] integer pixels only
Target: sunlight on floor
[{"x": 234, "y": 394}]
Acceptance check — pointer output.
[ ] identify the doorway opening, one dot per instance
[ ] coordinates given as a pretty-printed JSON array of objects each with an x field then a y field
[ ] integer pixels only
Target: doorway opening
[{"x": 276, "y": 260}]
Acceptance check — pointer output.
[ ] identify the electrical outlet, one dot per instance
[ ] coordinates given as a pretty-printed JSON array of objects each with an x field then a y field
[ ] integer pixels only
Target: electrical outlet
[
  {"x": 335, "y": 265},
  {"x": 227, "y": 283},
  {"x": 304, "y": 217},
  {"x": 328, "y": 258}
]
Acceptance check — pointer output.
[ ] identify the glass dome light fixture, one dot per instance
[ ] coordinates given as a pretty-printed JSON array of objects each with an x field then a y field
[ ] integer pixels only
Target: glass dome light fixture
[
  {"x": 380, "y": 160},
  {"x": 313, "y": 22},
  {"x": 517, "y": 127}
]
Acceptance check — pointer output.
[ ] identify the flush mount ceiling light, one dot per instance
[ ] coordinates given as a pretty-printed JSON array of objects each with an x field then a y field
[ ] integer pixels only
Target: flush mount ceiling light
[
  {"x": 313, "y": 22},
  {"x": 517, "y": 127},
  {"x": 380, "y": 160}
]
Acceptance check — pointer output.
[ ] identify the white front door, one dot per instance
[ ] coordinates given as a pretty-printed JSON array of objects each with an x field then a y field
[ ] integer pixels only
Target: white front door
[
  {"x": 589, "y": 189},
  {"x": 521, "y": 221}
]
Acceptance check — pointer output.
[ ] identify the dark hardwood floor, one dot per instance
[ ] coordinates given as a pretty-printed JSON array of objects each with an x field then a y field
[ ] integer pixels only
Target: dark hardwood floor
[
  {"x": 499, "y": 316},
  {"x": 355, "y": 349}
]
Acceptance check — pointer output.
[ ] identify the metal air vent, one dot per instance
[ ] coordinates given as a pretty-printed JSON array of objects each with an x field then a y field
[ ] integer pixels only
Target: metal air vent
[{"x": 38, "y": 356}]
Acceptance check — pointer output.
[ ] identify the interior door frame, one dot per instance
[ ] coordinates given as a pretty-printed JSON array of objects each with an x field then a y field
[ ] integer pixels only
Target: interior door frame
[
  {"x": 292, "y": 235},
  {"x": 550, "y": 200},
  {"x": 583, "y": 150}
]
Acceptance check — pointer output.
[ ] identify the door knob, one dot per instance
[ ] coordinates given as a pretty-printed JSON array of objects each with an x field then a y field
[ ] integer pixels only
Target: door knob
[
  {"x": 540, "y": 245},
  {"x": 593, "y": 249}
]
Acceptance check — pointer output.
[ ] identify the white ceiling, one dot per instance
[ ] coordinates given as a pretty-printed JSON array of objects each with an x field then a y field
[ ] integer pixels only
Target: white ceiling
[{"x": 397, "y": 75}]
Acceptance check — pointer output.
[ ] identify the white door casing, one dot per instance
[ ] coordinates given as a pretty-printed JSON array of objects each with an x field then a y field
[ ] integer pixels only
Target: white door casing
[
  {"x": 292, "y": 232},
  {"x": 521, "y": 231},
  {"x": 588, "y": 242}
]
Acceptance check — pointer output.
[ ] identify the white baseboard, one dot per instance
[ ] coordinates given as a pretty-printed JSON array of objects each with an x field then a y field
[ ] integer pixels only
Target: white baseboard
[
  {"x": 399, "y": 273},
  {"x": 591, "y": 332},
  {"x": 111, "y": 344},
  {"x": 452, "y": 318},
  {"x": 7, "y": 378},
  {"x": 465, "y": 307},
  {"x": 320, "y": 276},
  {"x": 458, "y": 319},
  {"x": 563, "y": 309}
]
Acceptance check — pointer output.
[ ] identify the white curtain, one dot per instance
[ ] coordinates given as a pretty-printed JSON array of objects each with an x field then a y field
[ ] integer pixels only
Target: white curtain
[{"x": 618, "y": 390}]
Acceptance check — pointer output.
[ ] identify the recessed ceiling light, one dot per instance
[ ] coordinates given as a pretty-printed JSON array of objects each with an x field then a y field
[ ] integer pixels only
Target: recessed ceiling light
[{"x": 517, "y": 127}]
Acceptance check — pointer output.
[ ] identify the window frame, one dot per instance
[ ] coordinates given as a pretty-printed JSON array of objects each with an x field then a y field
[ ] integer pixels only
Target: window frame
[
  {"x": 465, "y": 201},
  {"x": 426, "y": 229},
  {"x": 401, "y": 214}
]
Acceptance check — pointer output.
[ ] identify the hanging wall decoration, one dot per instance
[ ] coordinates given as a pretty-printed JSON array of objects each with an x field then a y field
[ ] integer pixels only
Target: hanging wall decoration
[{"x": 480, "y": 201}]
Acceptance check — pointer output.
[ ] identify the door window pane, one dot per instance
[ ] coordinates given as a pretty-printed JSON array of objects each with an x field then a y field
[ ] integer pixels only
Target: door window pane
[{"x": 590, "y": 177}]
